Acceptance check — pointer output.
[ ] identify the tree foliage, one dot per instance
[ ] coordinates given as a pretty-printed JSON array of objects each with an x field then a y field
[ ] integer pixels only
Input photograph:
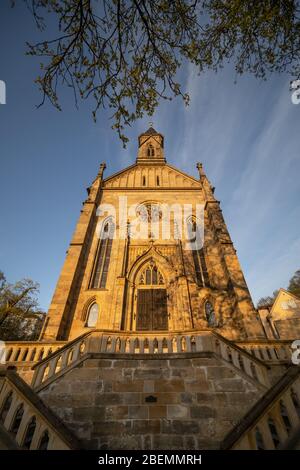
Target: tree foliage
[
  {"x": 126, "y": 53},
  {"x": 20, "y": 316},
  {"x": 294, "y": 284},
  {"x": 293, "y": 288},
  {"x": 267, "y": 301}
]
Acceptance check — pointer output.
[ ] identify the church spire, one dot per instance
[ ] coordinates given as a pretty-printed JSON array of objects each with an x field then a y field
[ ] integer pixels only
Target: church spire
[{"x": 151, "y": 147}]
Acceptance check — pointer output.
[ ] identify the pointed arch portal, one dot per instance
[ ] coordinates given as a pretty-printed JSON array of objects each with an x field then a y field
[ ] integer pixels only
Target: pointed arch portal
[{"x": 152, "y": 310}]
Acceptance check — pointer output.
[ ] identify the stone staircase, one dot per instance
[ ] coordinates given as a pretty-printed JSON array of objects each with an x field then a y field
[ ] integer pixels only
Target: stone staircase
[
  {"x": 129, "y": 343},
  {"x": 272, "y": 421},
  {"x": 268, "y": 424},
  {"x": 25, "y": 421}
]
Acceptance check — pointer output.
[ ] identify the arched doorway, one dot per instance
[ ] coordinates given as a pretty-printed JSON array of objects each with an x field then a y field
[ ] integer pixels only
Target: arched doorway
[{"x": 151, "y": 308}]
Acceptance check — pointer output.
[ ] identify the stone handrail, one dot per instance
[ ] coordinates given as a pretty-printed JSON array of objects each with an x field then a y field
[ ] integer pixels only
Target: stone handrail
[
  {"x": 132, "y": 343},
  {"x": 272, "y": 420},
  {"x": 26, "y": 418},
  {"x": 278, "y": 351}
]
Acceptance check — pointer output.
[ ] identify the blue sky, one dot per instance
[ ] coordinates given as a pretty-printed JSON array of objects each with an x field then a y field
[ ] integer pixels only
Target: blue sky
[{"x": 245, "y": 133}]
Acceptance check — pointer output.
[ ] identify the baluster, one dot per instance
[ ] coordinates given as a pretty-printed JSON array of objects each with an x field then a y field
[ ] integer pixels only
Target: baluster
[
  {"x": 265, "y": 354},
  {"x": 292, "y": 412},
  {"x": 9, "y": 354},
  {"x": 188, "y": 344},
  {"x": 38, "y": 375},
  {"x": 245, "y": 443},
  {"x": 11, "y": 412},
  {"x": 113, "y": 344},
  {"x": 247, "y": 366},
  {"x": 223, "y": 351},
  {"x": 76, "y": 351},
  {"x": 131, "y": 346},
  {"x": 151, "y": 348},
  {"x": 35, "y": 354},
  {"x": 23, "y": 425},
  {"x": 15, "y": 355},
  {"x": 199, "y": 344},
  {"x": 266, "y": 433},
  {"x": 37, "y": 434},
  {"x": 273, "y": 354},
  {"x": 262, "y": 375},
  {"x": 160, "y": 345},
  {"x": 296, "y": 387},
  {"x": 104, "y": 343},
  {"x": 255, "y": 351},
  {"x": 281, "y": 431},
  {"x": 235, "y": 358},
  {"x": 52, "y": 367},
  {"x": 64, "y": 359},
  {"x": 123, "y": 344}
]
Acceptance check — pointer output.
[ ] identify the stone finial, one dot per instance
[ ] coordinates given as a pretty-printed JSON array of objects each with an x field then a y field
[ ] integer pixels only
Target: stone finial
[
  {"x": 101, "y": 169},
  {"x": 200, "y": 169}
]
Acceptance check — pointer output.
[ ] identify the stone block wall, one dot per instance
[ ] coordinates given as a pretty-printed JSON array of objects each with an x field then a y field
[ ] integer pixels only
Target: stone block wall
[{"x": 170, "y": 402}]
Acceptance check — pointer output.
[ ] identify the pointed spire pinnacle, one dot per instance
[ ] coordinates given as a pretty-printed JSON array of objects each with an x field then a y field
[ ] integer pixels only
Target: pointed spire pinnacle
[
  {"x": 101, "y": 170},
  {"x": 200, "y": 169}
]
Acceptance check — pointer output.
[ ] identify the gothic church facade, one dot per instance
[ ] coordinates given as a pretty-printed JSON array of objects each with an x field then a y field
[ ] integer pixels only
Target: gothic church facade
[{"x": 148, "y": 344}]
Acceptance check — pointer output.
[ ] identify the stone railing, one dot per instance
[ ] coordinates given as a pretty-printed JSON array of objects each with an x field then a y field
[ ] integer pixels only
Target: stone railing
[
  {"x": 18, "y": 352},
  {"x": 240, "y": 358},
  {"x": 278, "y": 351},
  {"x": 132, "y": 343},
  {"x": 63, "y": 359},
  {"x": 28, "y": 422},
  {"x": 273, "y": 420}
]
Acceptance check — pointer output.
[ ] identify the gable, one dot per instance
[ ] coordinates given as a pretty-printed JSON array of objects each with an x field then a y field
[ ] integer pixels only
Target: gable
[
  {"x": 285, "y": 306},
  {"x": 140, "y": 176}
]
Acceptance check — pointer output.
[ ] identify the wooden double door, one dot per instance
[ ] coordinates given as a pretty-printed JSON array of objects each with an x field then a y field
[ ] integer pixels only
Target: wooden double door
[{"x": 152, "y": 311}]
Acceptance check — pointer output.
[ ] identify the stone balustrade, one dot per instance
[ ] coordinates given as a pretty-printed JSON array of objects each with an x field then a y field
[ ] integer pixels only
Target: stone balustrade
[
  {"x": 131, "y": 343},
  {"x": 24, "y": 416},
  {"x": 272, "y": 420},
  {"x": 278, "y": 351},
  {"x": 66, "y": 357},
  {"x": 241, "y": 359},
  {"x": 17, "y": 352}
]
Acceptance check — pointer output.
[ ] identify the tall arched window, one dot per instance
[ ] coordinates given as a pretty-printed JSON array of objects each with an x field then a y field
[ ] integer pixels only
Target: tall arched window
[
  {"x": 210, "y": 314},
  {"x": 92, "y": 316},
  {"x": 101, "y": 264},
  {"x": 198, "y": 256},
  {"x": 150, "y": 151}
]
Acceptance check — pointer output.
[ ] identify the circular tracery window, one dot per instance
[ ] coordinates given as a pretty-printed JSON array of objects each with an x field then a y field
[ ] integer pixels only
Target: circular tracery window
[{"x": 149, "y": 212}]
